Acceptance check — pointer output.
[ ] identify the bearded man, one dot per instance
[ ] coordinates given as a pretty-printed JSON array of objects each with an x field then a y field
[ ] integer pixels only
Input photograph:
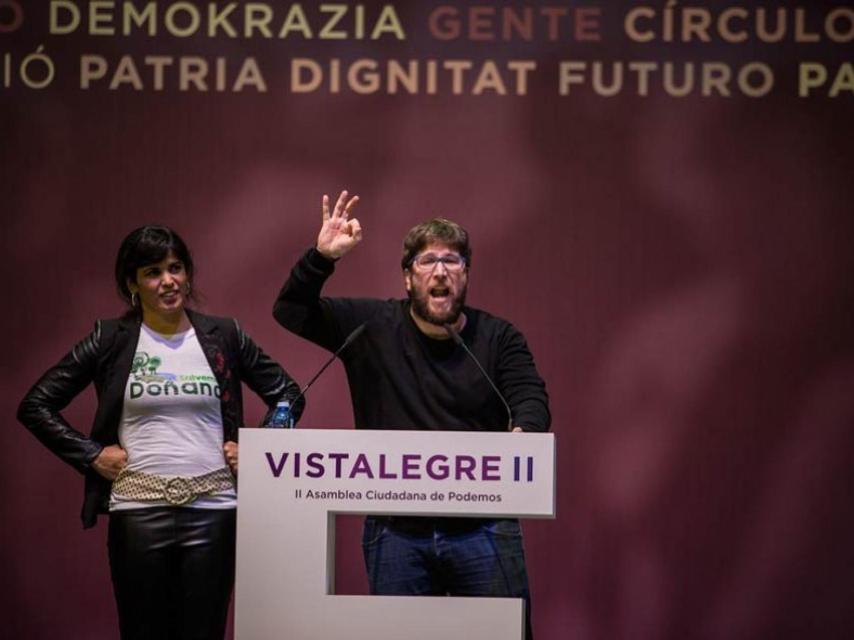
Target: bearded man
[{"x": 405, "y": 372}]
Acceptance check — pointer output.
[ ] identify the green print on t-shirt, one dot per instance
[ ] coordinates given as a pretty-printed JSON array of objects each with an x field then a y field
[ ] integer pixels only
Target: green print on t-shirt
[{"x": 148, "y": 382}]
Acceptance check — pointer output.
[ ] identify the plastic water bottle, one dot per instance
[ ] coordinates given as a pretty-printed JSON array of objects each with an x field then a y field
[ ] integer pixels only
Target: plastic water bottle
[{"x": 281, "y": 418}]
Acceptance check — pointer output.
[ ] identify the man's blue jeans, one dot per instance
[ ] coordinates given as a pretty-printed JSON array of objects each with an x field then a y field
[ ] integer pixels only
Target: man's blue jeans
[{"x": 446, "y": 556}]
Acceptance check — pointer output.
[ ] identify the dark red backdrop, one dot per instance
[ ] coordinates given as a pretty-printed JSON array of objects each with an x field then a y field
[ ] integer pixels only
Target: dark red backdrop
[{"x": 680, "y": 266}]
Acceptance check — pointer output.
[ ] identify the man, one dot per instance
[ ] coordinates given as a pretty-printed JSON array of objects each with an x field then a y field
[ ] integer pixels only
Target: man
[{"x": 405, "y": 372}]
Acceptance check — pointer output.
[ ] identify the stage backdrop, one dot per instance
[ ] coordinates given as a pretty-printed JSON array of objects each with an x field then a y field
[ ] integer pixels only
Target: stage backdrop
[{"x": 659, "y": 197}]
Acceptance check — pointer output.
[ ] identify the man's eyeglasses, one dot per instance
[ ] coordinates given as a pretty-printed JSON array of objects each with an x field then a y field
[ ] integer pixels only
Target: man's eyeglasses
[{"x": 427, "y": 262}]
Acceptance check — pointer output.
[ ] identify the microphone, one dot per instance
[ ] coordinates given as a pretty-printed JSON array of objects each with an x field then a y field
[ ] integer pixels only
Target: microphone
[
  {"x": 455, "y": 336},
  {"x": 355, "y": 333}
]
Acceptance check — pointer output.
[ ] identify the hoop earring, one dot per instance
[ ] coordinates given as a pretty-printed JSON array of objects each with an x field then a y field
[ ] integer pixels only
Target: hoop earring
[{"x": 133, "y": 299}]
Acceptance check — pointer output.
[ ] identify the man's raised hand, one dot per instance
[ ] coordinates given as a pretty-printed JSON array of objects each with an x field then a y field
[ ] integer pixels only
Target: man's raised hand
[{"x": 339, "y": 232}]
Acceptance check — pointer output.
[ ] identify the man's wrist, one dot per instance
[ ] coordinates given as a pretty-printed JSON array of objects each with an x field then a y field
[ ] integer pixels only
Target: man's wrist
[{"x": 316, "y": 252}]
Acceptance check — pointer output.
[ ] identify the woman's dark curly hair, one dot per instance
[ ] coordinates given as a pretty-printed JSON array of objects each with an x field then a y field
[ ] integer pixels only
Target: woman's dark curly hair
[{"x": 148, "y": 245}]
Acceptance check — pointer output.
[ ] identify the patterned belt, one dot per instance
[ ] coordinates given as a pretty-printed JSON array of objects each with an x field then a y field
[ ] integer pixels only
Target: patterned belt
[{"x": 175, "y": 490}]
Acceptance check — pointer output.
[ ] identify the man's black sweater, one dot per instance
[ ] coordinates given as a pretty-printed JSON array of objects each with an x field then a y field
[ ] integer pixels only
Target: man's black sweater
[{"x": 402, "y": 379}]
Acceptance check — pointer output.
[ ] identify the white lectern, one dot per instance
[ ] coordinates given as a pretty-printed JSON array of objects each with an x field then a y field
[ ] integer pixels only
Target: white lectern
[{"x": 292, "y": 483}]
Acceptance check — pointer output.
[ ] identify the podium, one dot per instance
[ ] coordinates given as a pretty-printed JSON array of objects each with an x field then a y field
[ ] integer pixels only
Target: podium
[{"x": 294, "y": 481}]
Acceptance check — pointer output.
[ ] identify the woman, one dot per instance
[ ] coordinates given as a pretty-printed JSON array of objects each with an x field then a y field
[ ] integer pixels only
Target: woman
[{"x": 162, "y": 454}]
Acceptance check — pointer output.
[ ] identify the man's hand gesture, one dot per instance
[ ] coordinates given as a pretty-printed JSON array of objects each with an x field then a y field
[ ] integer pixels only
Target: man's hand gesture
[{"x": 339, "y": 232}]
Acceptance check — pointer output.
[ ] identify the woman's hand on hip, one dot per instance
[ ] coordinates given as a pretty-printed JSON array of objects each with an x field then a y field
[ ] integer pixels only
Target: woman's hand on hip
[
  {"x": 229, "y": 449},
  {"x": 110, "y": 461}
]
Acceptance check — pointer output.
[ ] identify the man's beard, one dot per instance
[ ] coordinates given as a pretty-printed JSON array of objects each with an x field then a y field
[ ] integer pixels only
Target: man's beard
[{"x": 421, "y": 308}]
